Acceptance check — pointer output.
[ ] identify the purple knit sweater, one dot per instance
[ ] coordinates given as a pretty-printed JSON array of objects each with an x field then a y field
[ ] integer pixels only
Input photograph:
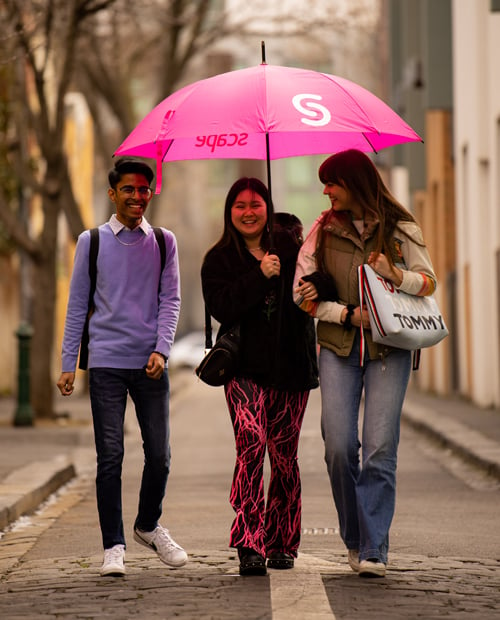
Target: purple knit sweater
[{"x": 130, "y": 320}]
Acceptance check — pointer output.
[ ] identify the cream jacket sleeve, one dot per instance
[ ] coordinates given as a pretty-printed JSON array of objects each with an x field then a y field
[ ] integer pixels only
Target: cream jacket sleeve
[
  {"x": 330, "y": 311},
  {"x": 418, "y": 273}
]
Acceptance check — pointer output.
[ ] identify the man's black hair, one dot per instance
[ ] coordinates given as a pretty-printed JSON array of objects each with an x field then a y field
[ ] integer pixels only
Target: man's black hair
[{"x": 127, "y": 165}]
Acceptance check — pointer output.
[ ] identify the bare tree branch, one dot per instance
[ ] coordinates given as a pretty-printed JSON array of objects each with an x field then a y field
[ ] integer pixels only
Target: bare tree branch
[{"x": 45, "y": 35}]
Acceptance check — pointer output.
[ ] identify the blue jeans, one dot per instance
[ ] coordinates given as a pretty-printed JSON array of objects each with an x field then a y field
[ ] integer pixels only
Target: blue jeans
[
  {"x": 365, "y": 493},
  {"x": 108, "y": 389}
]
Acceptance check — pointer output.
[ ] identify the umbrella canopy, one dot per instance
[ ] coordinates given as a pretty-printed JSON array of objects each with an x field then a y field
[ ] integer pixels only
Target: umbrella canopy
[{"x": 266, "y": 112}]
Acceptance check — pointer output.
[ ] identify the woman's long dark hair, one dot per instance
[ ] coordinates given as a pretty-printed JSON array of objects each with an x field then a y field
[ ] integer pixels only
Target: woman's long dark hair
[
  {"x": 355, "y": 172},
  {"x": 230, "y": 236}
]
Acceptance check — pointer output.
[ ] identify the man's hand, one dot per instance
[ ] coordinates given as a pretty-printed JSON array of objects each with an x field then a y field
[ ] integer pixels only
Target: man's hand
[
  {"x": 155, "y": 365},
  {"x": 66, "y": 383}
]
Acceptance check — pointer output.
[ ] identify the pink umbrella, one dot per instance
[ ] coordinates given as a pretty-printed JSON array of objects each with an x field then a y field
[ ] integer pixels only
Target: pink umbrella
[{"x": 265, "y": 112}]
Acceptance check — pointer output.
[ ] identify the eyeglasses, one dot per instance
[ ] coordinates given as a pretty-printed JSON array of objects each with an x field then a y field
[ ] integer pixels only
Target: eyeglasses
[{"x": 129, "y": 190}]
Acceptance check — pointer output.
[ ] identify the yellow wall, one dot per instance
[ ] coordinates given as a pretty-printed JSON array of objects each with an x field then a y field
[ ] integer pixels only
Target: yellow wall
[
  {"x": 435, "y": 209},
  {"x": 79, "y": 146},
  {"x": 9, "y": 312}
]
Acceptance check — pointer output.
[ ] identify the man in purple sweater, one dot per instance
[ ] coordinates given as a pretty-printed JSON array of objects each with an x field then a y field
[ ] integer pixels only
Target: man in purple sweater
[{"x": 131, "y": 331}]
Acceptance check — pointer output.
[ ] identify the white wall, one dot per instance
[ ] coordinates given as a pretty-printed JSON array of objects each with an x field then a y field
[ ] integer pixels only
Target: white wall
[{"x": 476, "y": 54}]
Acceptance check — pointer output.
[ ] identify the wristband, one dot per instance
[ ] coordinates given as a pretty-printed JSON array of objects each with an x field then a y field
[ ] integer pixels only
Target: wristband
[{"x": 347, "y": 320}]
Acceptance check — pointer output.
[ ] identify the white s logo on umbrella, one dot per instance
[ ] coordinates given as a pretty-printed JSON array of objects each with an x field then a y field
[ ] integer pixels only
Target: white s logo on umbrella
[{"x": 318, "y": 113}]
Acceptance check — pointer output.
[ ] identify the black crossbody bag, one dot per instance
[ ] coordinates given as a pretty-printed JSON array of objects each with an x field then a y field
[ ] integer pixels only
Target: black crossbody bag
[{"x": 221, "y": 361}]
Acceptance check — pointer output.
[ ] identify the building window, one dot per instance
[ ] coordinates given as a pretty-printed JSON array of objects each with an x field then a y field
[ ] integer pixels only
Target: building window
[{"x": 494, "y": 6}]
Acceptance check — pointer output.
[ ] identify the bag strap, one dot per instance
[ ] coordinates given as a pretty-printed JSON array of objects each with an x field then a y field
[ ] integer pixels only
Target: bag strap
[
  {"x": 208, "y": 329},
  {"x": 416, "y": 359},
  {"x": 93, "y": 251},
  {"x": 362, "y": 340}
]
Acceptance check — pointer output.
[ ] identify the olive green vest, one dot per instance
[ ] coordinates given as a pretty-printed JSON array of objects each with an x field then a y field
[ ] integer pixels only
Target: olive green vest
[{"x": 344, "y": 251}]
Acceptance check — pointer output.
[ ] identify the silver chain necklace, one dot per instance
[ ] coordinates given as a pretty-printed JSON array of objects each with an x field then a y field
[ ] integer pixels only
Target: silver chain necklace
[{"x": 141, "y": 237}]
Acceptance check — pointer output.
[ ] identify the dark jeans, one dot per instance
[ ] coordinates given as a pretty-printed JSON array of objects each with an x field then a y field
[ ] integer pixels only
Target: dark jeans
[{"x": 109, "y": 388}]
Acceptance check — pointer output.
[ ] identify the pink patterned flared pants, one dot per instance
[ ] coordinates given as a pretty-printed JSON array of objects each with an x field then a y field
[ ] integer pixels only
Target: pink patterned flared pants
[{"x": 266, "y": 417}]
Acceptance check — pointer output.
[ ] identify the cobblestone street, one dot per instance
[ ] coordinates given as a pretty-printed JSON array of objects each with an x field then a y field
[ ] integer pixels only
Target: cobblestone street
[{"x": 49, "y": 561}]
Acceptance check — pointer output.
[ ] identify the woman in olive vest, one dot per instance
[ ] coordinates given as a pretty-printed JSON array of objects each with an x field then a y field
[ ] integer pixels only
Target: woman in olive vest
[{"x": 365, "y": 224}]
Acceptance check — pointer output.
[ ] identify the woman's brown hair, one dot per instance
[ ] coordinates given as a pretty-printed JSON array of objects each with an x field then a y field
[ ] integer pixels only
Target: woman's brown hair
[{"x": 356, "y": 173}]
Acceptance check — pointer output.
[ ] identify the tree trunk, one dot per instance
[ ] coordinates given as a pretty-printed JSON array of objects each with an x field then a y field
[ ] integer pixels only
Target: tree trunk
[{"x": 44, "y": 286}]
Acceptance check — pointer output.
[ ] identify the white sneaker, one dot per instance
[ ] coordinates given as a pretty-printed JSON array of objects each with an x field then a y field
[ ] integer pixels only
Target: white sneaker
[
  {"x": 160, "y": 541},
  {"x": 353, "y": 559},
  {"x": 369, "y": 568},
  {"x": 113, "y": 561}
]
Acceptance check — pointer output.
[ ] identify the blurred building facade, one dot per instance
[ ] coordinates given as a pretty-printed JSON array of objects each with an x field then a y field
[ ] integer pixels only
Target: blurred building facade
[
  {"x": 476, "y": 128},
  {"x": 420, "y": 70},
  {"x": 434, "y": 63},
  {"x": 444, "y": 82}
]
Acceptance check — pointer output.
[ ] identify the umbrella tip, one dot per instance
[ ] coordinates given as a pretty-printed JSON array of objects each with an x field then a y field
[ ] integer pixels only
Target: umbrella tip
[{"x": 263, "y": 50}]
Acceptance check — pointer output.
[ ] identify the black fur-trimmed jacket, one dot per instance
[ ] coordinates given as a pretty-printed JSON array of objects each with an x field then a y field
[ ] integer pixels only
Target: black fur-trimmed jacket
[{"x": 278, "y": 344}]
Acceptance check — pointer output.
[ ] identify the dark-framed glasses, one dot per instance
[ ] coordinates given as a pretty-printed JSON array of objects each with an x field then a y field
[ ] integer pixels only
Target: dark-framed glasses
[{"x": 129, "y": 190}]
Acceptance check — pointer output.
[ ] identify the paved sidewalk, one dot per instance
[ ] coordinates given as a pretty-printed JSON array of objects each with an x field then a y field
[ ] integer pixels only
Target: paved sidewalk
[{"x": 35, "y": 461}]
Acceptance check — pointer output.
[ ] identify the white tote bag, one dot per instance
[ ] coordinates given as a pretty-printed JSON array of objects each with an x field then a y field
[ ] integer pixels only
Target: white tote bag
[{"x": 399, "y": 319}]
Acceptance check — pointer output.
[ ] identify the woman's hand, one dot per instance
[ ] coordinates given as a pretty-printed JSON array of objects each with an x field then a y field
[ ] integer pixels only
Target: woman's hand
[
  {"x": 270, "y": 265},
  {"x": 306, "y": 290},
  {"x": 381, "y": 265},
  {"x": 357, "y": 317}
]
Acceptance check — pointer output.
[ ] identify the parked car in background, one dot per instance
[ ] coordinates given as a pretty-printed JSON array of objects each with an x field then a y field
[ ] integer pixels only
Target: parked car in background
[{"x": 187, "y": 351}]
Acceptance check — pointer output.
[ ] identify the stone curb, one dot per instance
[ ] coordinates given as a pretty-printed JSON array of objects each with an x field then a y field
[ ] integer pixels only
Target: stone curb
[
  {"x": 466, "y": 442},
  {"x": 22, "y": 491}
]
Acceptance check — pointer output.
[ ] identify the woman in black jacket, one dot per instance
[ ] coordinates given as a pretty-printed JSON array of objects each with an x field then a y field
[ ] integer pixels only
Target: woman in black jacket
[{"x": 247, "y": 282}]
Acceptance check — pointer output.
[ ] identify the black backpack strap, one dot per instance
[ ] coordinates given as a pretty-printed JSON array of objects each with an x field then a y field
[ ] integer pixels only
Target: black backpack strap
[
  {"x": 160, "y": 238},
  {"x": 93, "y": 252}
]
